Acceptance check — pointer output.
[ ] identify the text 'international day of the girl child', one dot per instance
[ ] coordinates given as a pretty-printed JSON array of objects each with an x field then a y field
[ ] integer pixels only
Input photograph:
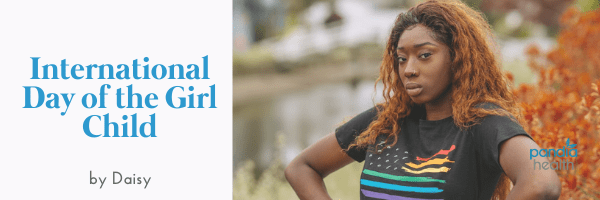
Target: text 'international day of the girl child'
[{"x": 176, "y": 97}]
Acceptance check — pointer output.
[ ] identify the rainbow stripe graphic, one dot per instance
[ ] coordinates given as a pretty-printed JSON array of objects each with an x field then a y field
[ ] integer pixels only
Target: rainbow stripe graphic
[
  {"x": 428, "y": 170},
  {"x": 402, "y": 178},
  {"x": 441, "y": 152},
  {"x": 399, "y": 187},
  {"x": 437, "y": 161},
  {"x": 378, "y": 195},
  {"x": 430, "y": 161},
  {"x": 418, "y": 166}
]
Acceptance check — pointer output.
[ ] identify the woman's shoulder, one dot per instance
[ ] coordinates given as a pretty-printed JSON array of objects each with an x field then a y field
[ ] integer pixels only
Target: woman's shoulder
[
  {"x": 502, "y": 117},
  {"x": 488, "y": 106},
  {"x": 497, "y": 125},
  {"x": 359, "y": 122},
  {"x": 365, "y": 117},
  {"x": 347, "y": 133}
]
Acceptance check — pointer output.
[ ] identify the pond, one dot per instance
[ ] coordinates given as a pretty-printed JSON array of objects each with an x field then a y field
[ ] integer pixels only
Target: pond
[{"x": 280, "y": 127}]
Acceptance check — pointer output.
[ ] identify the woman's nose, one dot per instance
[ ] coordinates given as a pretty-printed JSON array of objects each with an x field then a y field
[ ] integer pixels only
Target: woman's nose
[{"x": 410, "y": 70}]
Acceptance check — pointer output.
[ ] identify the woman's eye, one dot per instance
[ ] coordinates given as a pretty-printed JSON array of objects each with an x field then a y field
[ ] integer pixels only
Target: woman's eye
[
  {"x": 401, "y": 59},
  {"x": 425, "y": 55}
]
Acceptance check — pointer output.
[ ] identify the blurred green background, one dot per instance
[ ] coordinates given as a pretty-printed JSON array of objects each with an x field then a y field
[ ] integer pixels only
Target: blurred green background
[{"x": 303, "y": 67}]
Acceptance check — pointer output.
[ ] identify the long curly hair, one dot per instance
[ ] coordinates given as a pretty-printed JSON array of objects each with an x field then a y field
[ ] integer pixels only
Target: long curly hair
[{"x": 476, "y": 74}]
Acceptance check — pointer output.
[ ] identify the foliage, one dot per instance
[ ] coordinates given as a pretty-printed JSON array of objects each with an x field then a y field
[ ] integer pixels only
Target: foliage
[
  {"x": 271, "y": 184},
  {"x": 564, "y": 104},
  {"x": 255, "y": 60},
  {"x": 587, "y": 5},
  {"x": 260, "y": 59}
]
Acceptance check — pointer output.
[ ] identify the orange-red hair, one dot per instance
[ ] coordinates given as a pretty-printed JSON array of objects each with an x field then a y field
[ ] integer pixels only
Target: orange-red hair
[{"x": 476, "y": 74}]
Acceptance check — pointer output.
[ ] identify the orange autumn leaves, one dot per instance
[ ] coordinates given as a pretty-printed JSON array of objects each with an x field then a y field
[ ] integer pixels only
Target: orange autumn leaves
[{"x": 565, "y": 101}]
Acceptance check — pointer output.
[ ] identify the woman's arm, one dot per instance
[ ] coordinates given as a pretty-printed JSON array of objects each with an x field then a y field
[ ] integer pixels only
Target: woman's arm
[
  {"x": 529, "y": 182},
  {"x": 306, "y": 172}
]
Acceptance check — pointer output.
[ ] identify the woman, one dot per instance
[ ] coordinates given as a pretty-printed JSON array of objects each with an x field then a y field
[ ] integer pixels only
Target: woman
[{"x": 448, "y": 128}]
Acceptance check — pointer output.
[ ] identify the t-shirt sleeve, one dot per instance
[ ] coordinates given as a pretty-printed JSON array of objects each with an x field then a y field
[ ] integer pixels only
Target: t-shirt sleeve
[
  {"x": 347, "y": 133},
  {"x": 490, "y": 134}
]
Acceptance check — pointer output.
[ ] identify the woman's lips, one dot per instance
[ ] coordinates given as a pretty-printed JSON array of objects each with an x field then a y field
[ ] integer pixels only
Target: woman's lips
[{"x": 413, "y": 89}]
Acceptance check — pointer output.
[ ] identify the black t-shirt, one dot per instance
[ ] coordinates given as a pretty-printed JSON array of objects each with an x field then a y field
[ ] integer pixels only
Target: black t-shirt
[{"x": 431, "y": 159}]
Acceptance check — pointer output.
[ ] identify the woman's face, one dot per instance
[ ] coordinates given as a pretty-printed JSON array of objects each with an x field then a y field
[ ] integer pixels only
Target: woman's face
[{"x": 423, "y": 65}]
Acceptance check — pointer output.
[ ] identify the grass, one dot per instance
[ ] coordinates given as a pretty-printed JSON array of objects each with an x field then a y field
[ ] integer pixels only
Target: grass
[{"x": 271, "y": 183}]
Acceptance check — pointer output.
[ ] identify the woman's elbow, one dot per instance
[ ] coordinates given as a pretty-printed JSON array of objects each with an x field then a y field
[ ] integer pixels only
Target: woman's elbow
[
  {"x": 289, "y": 172},
  {"x": 553, "y": 187},
  {"x": 293, "y": 170},
  {"x": 552, "y": 190},
  {"x": 548, "y": 189}
]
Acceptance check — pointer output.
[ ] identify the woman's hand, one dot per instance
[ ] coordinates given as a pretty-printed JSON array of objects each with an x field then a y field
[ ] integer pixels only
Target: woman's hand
[
  {"x": 529, "y": 182},
  {"x": 306, "y": 172}
]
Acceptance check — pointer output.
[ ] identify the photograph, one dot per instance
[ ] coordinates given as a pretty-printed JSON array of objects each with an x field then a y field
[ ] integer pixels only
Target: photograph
[{"x": 415, "y": 99}]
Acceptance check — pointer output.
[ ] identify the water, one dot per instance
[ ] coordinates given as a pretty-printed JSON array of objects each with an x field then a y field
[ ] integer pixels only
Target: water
[{"x": 300, "y": 117}]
